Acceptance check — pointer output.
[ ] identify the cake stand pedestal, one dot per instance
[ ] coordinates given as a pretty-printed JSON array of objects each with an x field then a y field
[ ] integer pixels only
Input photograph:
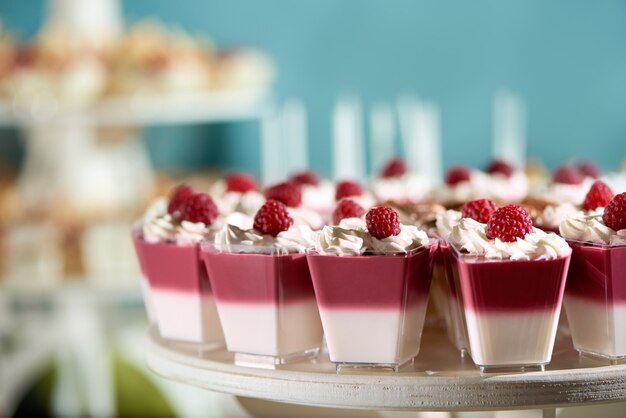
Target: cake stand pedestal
[{"x": 439, "y": 380}]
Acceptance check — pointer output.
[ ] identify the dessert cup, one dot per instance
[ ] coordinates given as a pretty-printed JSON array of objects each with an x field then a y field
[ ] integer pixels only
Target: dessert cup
[
  {"x": 182, "y": 301},
  {"x": 372, "y": 306},
  {"x": 511, "y": 308},
  {"x": 265, "y": 302},
  {"x": 595, "y": 299},
  {"x": 144, "y": 283},
  {"x": 446, "y": 298}
]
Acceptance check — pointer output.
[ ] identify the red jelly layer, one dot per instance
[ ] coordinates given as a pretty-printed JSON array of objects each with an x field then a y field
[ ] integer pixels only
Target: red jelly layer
[
  {"x": 258, "y": 278},
  {"x": 371, "y": 281},
  {"x": 136, "y": 235},
  {"x": 598, "y": 273},
  {"x": 169, "y": 266},
  {"x": 447, "y": 260},
  {"x": 511, "y": 286}
]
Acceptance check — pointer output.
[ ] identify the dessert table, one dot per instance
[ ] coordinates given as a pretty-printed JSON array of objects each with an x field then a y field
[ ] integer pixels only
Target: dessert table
[{"x": 438, "y": 380}]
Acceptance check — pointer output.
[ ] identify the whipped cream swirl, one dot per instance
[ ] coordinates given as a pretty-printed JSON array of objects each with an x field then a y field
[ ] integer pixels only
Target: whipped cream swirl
[
  {"x": 296, "y": 239},
  {"x": 591, "y": 228},
  {"x": 471, "y": 236},
  {"x": 351, "y": 237},
  {"x": 406, "y": 188},
  {"x": 159, "y": 229},
  {"x": 188, "y": 233},
  {"x": 446, "y": 220}
]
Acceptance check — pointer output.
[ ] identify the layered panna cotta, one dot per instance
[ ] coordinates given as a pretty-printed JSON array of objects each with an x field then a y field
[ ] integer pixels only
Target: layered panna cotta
[
  {"x": 262, "y": 286},
  {"x": 551, "y": 215},
  {"x": 595, "y": 296},
  {"x": 395, "y": 183},
  {"x": 181, "y": 299},
  {"x": 444, "y": 290},
  {"x": 498, "y": 183},
  {"x": 372, "y": 292},
  {"x": 511, "y": 279},
  {"x": 317, "y": 195}
]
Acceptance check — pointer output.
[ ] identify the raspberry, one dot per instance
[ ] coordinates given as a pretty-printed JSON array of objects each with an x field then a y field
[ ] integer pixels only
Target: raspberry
[
  {"x": 457, "y": 174},
  {"x": 272, "y": 218},
  {"x": 588, "y": 169},
  {"x": 598, "y": 196},
  {"x": 306, "y": 177},
  {"x": 286, "y": 192},
  {"x": 394, "y": 168},
  {"x": 615, "y": 212},
  {"x": 501, "y": 167},
  {"x": 479, "y": 210},
  {"x": 382, "y": 222},
  {"x": 508, "y": 223},
  {"x": 177, "y": 198},
  {"x": 199, "y": 207},
  {"x": 348, "y": 189},
  {"x": 567, "y": 175},
  {"x": 241, "y": 183},
  {"x": 347, "y": 208}
]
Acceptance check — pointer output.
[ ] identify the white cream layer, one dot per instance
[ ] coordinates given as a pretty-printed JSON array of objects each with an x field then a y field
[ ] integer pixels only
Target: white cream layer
[
  {"x": 383, "y": 336},
  {"x": 270, "y": 330},
  {"x": 597, "y": 327},
  {"x": 508, "y": 339},
  {"x": 186, "y": 316}
]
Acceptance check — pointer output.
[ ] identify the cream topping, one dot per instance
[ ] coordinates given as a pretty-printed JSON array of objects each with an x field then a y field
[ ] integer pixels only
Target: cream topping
[
  {"x": 191, "y": 232},
  {"x": 351, "y": 237},
  {"x": 591, "y": 228},
  {"x": 231, "y": 238},
  {"x": 446, "y": 220},
  {"x": 471, "y": 236},
  {"x": 409, "y": 187},
  {"x": 159, "y": 229}
]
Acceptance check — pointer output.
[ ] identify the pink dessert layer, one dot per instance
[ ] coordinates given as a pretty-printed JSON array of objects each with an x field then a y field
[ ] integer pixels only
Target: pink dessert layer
[
  {"x": 258, "y": 278},
  {"x": 174, "y": 267},
  {"x": 511, "y": 286},
  {"x": 370, "y": 281},
  {"x": 598, "y": 273},
  {"x": 136, "y": 235}
]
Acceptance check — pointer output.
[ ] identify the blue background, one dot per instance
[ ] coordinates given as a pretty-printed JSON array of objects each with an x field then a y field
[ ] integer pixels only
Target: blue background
[{"x": 566, "y": 58}]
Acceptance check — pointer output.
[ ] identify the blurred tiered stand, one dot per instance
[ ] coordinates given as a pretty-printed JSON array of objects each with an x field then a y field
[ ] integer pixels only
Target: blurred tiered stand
[{"x": 80, "y": 94}]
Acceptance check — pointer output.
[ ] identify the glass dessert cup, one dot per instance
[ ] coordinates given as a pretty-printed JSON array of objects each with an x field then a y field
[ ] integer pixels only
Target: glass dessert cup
[
  {"x": 446, "y": 298},
  {"x": 143, "y": 280},
  {"x": 595, "y": 299},
  {"x": 182, "y": 301},
  {"x": 511, "y": 309},
  {"x": 266, "y": 304},
  {"x": 372, "y": 306}
]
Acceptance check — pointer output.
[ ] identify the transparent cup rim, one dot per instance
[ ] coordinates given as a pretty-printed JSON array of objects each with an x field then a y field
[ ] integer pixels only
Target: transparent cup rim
[
  {"x": 594, "y": 244},
  {"x": 269, "y": 250},
  {"x": 431, "y": 242},
  {"x": 465, "y": 257}
]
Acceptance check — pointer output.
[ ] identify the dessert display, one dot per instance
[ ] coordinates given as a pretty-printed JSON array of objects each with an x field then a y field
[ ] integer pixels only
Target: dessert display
[
  {"x": 595, "y": 296},
  {"x": 290, "y": 194},
  {"x": 396, "y": 184},
  {"x": 263, "y": 290},
  {"x": 510, "y": 276},
  {"x": 444, "y": 288},
  {"x": 500, "y": 182},
  {"x": 371, "y": 279},
  {"x": 237, "y": 192},
  {"x": 317, "y": 195},
  {"x": 148, "y": 60},
  {"x": 564, "y": 203},
  {"x": 180, "y": 295},
  {"x": 353, "y": 190}
]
